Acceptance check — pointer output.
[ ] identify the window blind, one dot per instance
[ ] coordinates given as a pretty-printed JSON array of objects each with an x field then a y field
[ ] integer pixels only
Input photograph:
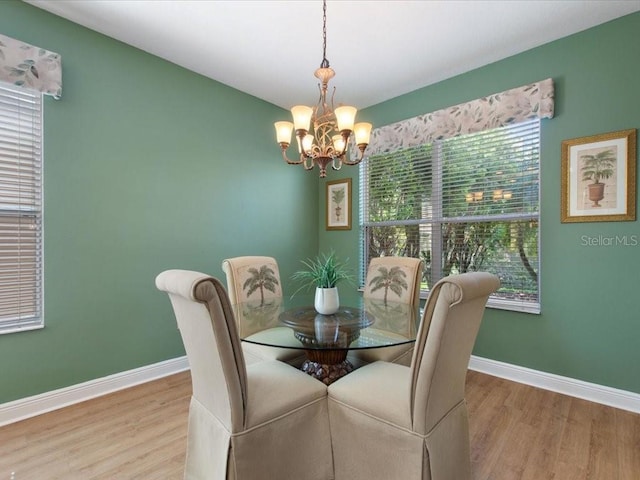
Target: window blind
[
  {"x": 20, "y": 208},
  {"x": 466, "y": 203}
]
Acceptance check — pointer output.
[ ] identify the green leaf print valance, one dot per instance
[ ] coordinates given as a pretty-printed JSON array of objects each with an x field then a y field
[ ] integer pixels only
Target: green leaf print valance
[
  {"x": 31, "y": 67},
  {"x": 497, "y": 110}
]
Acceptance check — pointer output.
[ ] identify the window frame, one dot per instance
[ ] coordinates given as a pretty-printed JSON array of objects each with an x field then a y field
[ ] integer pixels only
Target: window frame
[
  {"x": 16, "y": 130},
  {"x": 437, "y": 219}
]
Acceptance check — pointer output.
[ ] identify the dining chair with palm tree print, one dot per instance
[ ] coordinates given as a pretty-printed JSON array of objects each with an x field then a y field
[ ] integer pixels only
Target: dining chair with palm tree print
[
  {"x": 255, "y": 291},
  {"x": 252, "y": 278},
  {"x": 386, "y": 279},
  {"x": 391, "y": 280}
]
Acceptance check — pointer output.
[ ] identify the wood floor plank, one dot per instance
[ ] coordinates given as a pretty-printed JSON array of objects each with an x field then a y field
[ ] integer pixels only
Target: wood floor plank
[
  {"x": 603, "y": 454},
  {"x": 517, "y": 433},
  {"x": 545, "y": 446},
  {"x": 628, "y": 436},
  {"x": 573, "y": 457},
  {"x": 489, "y": 426}
]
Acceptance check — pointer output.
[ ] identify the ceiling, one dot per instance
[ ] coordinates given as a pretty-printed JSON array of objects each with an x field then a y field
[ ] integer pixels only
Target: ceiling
[{"x": 379, "y": 49}]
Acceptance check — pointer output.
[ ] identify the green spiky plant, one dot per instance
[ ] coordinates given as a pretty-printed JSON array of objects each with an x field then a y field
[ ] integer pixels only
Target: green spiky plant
[
  {"x": 338, "y": 196},
  {"x": 599, "y": 166},
  {"x": 324, "y": 271}
]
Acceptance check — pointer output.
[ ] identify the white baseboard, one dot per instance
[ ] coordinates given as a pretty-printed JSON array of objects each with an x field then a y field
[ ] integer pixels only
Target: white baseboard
[
  {"x": 576, "y": 388},
  {"x": 24, "y": 408},
  {"x": 46, "y": 402}
]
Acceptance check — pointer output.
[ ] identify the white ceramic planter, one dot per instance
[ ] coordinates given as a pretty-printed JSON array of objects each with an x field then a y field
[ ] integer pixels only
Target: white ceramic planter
[{"x": 327, "y": 301}]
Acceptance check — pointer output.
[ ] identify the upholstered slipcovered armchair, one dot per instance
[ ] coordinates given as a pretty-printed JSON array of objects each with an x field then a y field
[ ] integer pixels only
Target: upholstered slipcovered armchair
[
  {"x": 395, "y": 279},
  {"x": 262, "y": 421},
  {"x": 254, "y": 287},
  {"x": 389, "y": 421}
]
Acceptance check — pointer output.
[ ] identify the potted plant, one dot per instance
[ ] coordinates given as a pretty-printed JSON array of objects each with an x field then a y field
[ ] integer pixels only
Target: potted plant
[
  {"x": 338, "y": 197},
  {"x": 597, "y": 167},
  {"x": 324, "y": 272}
]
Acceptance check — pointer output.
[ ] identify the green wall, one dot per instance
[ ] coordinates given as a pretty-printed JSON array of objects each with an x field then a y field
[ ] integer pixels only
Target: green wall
[
  {"x": 589, "y": 328},
  {"x": 146, "y": 168}
]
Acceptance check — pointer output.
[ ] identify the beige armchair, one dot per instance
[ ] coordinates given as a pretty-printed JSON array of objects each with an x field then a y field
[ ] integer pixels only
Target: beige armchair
[
  {"x": 396, "y": 279},
  {"x": 265, "y": 420},
  {"x": 254, "y": 287},
  {"x": 389, "y": 421}
]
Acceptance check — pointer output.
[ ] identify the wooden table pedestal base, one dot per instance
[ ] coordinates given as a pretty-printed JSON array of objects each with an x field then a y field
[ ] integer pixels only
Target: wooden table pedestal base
[
  {"x": 327, "y": 365},
  {"x": 327, "y": 373}
]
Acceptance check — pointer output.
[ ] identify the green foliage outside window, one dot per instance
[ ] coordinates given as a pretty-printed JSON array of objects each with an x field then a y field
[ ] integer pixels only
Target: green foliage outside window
[{"x": 482, "y": 207}]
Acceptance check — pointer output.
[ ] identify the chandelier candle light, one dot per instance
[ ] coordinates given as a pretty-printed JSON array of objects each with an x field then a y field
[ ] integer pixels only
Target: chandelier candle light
[{"x": 332, "y": 129}]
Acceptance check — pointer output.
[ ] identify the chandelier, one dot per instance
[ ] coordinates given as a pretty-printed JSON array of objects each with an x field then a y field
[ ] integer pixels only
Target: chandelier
[{"x": 328, "y": 142}]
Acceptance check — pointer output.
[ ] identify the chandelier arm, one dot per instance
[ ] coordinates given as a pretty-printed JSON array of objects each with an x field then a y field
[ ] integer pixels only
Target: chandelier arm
[
  {"x": 359, "y": 159},
  {"x": 350, "y": 163},
  {"x": 322, "y": 98},
  {"x": 286, "y": 159},
  {"x": 307, "y": 162},
  {"x": 345, "y": 134}
]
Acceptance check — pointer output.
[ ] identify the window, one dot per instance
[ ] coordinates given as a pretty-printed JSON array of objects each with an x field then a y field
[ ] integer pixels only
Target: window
[
  {"x": 20, "y": 209},
  {"x": 466, "y": 203}
]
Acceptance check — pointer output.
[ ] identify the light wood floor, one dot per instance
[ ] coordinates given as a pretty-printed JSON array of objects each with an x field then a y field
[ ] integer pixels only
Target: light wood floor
[{"x": 517, "y": 432}]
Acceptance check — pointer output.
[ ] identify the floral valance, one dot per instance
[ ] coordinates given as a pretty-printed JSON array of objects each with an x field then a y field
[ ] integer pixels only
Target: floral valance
[
  {"x": 32, "y": 67},
  {"x": 512, "y": 106}
]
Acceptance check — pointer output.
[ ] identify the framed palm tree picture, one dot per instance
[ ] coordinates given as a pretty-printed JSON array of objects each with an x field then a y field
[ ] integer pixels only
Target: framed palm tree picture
[
  {"x": 598, "y": 178},
  {"x": 338, "y": 204}
]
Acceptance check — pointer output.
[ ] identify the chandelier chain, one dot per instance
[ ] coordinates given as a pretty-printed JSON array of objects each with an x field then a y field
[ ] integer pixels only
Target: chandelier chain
[{"x": 325, "y": 62}]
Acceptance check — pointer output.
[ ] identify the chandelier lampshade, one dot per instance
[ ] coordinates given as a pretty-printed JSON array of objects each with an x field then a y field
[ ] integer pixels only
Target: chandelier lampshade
[{"x": 322, "y": 132}]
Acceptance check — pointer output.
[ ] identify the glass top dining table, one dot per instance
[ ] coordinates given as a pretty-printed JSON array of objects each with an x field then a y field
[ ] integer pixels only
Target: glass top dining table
[{"x": 293, "y": 323}]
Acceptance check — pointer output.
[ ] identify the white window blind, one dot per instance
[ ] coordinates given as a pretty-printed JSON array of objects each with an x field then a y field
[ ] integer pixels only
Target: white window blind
[
  {"x": 466, "y": 203},
  {"x": 20, "y": 209}
]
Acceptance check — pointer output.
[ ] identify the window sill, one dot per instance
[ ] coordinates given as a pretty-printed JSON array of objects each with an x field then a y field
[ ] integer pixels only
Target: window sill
[
  {"x": 514, "y": 306},
  {"x": 496, "y": 304},
  {"x": 503, "y": 304},
  {"x": 23, "y": 328}
]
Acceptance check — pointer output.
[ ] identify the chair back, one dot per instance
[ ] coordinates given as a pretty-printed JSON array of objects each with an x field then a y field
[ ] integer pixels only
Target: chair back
[
  {"x": 446, "y": 336},
  {"x": 210, "y": 338},
  {"x": 395, "y": 279},
  {"x": 252, "y": 278}
]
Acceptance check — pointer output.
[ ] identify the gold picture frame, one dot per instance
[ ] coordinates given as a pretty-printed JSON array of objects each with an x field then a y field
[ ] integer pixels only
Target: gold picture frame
[
  {"x": 338, "y": 204},
  {"x": 598, "y": 178}
]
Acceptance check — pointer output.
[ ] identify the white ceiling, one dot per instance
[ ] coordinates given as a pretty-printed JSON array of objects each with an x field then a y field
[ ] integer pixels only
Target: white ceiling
[{"x": 379, "y": 49}]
